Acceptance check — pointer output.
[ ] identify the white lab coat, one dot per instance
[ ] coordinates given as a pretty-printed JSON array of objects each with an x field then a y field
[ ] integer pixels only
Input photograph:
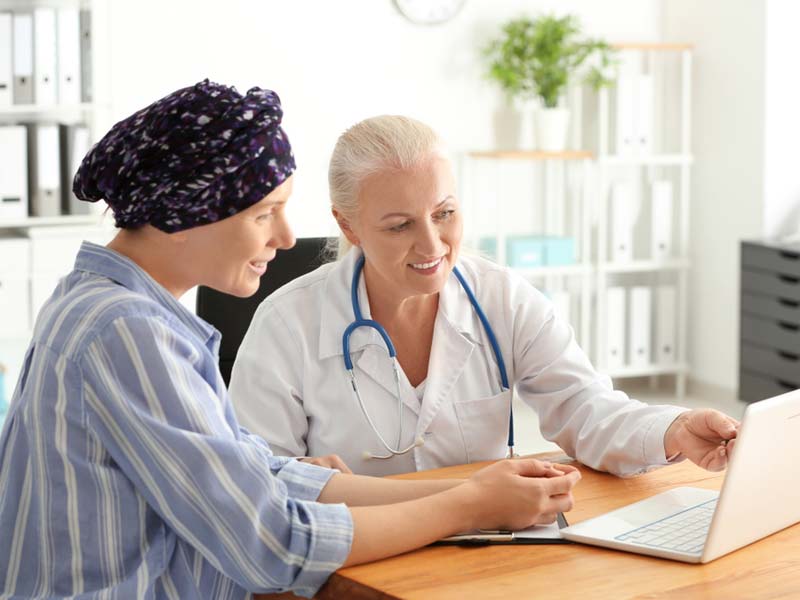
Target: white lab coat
[{"x": 289, "y": 384}]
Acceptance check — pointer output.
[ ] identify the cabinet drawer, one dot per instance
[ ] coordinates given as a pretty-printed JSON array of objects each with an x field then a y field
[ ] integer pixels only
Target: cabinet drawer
[
  {"x": 776, "y": 260},
  {"x": 772, "y": 307},
  {"x": 778, "y": 335},
  {"x": 782, "y": 365},
  {"x": 754, "y": 387},
  {"x": 771, "y": 284}
]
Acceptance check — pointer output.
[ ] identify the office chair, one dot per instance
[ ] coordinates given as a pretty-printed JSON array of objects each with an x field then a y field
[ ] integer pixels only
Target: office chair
[{"x": 232, "y": 315}]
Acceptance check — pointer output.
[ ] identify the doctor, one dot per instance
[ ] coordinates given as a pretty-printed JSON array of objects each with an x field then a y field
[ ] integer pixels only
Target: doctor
[{"x": 402, "y": 355}]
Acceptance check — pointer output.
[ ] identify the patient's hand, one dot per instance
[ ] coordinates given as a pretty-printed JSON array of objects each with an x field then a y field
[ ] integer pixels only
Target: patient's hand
[
  {"x": 331, "y": 461},
  {"x": 704, "y": 436}
]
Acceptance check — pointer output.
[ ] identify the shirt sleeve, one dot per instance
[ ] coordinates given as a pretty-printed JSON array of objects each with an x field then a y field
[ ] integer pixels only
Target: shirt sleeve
[
  {"x": 249, "y": 513},
  {"x": 577, "y": 406},
  {"x": 268, "y": 399}
]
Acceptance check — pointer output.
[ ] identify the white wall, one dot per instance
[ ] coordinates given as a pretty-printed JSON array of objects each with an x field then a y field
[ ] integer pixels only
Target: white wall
[
  {"x": 334, "y": 63},
  {"x": 728, "y": 120}
]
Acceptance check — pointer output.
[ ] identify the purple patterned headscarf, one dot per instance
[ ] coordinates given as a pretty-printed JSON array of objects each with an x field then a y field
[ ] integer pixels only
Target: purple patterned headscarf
[{"x": 198, "y": 155}]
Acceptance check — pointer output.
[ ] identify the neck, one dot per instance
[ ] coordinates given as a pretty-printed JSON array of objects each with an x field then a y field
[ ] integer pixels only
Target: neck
[
  {"x": 391, "y": 309},
  {"x": 152, "y": 251}
]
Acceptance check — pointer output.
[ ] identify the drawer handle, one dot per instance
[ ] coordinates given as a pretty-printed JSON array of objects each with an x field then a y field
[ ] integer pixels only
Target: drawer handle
[
  {"x": 788, "y": 279},
  {"x": 788, "y": 355},
  {"x": 790, "y": 303},
  {"x": 789, "y": 255},
  {"x": 788, "y": 386},
  {"x": 789, "y": 326}
]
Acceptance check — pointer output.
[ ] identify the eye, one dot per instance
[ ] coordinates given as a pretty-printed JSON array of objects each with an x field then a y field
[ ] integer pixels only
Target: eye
[
  {"x": 444, "y": 215},
  {"x": 401, "y": 227},
  {"x": 265, "y": 217}
]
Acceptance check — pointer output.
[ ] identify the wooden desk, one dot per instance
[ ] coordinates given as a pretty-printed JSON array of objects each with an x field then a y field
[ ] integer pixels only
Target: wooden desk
[{"x": 768, "y": 569}]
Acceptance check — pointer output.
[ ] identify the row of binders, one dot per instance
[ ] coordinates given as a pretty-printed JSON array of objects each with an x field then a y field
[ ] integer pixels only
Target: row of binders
[
  {"x": 625, "y": 206},
  {"x": 45, "y": 56},
  {"x": 634, "y": 338},
  {"x": 38, "y": 164}
]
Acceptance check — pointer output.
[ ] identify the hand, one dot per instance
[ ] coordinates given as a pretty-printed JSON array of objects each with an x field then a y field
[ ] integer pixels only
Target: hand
[
  {"x": 704, "y": 436},
  {"x": 519, "y": 493},
  {"x": 331, "y": 461}
]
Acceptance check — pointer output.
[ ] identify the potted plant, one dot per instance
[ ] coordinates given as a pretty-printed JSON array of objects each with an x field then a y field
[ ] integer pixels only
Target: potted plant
[{"x": 537, "y": 58}]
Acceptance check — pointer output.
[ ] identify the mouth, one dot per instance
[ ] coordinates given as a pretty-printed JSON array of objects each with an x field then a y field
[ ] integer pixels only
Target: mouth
[
  {"x": 427, "y": 268},
  {"x": 258, "y": 266}
]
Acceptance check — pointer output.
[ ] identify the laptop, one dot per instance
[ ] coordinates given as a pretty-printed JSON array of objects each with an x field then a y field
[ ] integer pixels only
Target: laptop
[{"x": 760, "y": 495}]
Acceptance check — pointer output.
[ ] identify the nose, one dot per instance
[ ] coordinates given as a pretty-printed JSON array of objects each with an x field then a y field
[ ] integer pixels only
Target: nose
[
  {"x": 283, "y": 237},
  {"x": 428, "y": 242}
]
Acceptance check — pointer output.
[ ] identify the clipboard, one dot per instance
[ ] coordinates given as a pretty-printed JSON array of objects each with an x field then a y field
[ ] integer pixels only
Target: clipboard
[{"x": 508, "y": 538}]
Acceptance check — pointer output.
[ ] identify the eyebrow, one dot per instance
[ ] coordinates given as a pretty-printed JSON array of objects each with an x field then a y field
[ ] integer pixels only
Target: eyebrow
[{"x": 402, "y": 214}]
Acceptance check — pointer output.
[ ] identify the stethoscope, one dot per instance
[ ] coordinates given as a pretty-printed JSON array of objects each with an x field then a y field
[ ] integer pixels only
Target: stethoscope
[{"x": 360, "y": 321}]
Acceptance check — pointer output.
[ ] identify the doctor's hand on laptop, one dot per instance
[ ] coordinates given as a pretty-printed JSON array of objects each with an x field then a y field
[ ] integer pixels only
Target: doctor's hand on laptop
[{"x": 704, "y": 436}]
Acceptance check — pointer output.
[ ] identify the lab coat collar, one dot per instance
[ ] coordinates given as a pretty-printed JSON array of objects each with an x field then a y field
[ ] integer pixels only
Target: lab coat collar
[{"x": 337, "y": 310}]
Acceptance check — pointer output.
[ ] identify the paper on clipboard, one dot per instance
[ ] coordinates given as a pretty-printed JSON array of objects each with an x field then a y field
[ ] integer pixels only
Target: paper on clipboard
[{"x": 538, "y": 534}]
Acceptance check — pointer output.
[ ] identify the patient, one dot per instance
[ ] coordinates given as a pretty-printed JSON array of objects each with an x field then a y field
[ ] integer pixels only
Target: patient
[{"x": 124, "y": 472}]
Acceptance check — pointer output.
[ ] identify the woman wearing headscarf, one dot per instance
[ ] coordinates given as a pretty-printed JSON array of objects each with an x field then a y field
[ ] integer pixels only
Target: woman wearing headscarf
[{"x": 124, "y": 472}]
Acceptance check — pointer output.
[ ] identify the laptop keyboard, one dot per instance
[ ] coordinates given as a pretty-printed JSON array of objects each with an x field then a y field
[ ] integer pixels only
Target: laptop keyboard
[{"x": 684, "y": 531}]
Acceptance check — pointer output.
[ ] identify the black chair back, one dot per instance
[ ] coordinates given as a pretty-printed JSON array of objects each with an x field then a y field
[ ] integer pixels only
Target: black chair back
[{"x": 232, "y": 315}]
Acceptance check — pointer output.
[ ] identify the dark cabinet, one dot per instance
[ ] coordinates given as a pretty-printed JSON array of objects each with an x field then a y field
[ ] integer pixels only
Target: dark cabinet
[{"x": 769, "y": 351}]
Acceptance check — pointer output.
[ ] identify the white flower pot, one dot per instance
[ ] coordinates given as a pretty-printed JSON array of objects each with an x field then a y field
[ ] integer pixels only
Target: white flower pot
[{"x": 551, "y": 129}]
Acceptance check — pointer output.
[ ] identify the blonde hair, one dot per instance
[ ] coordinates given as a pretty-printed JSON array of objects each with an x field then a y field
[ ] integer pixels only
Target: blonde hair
[{"x": 371, "y": 146}]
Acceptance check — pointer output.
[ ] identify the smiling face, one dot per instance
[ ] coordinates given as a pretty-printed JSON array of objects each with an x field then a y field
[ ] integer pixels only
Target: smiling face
[
  {"x": 409, "y": 227},
  {"x": 231, "y": 255}
]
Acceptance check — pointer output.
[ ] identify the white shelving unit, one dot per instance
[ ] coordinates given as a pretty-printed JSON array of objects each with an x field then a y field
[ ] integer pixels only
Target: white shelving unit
[
  {"x": 48, "y": 243},
  {"x": 666, "y": 156},
  {"x": 669, "y": 66},
  {"x": 555, "y": 199}
]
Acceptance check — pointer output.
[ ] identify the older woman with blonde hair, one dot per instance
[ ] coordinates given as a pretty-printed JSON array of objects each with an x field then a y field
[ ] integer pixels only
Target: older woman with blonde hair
[{"x": 403, "y": 355}]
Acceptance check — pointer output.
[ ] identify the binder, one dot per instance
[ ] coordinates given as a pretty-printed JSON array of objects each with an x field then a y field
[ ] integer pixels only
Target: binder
[
  {"x": 562, "y": 305},
  {"x": 622, "y": 212},
  {"x": 14, "y": 173},
  {"x": 69, "y": 56},
  {"x": 45, "y": 176},
  {"x": 644, "y": 114},
  {"x": 6, "y": 60},
  {"x": 85, "y": 18},
  {"x": 23, "y": 58},
  {"x": 666, "y": 323},
  {"x": 73, "y": 145},
  {"x": 661, "y": 218},
  {"x": 615, "y": 327},
  {"x": 639, "y": 332},
  {"x": 626, "y": 115},
  {"x": 44, "y": 55}
]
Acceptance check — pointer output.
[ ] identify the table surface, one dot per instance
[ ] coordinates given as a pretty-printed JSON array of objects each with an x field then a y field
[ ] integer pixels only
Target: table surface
[{"x": 769, "y": 568}]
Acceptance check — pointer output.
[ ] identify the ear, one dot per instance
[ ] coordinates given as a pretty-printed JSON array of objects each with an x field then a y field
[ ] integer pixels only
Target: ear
[{"x": 344, "y": 225}]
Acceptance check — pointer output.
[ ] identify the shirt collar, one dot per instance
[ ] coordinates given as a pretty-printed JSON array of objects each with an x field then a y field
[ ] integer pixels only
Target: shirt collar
[
  {"x": 337, "y": 309},
  {"x": 105, "y": 262}
]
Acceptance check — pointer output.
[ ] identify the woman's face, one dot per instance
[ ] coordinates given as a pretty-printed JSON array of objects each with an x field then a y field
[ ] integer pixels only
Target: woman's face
[
  {"x": 409, "y": 227},
  {"x": 235, "y": 251}
]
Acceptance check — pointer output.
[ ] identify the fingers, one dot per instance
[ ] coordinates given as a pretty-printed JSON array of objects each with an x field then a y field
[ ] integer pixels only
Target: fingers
[
  {"x": 556, "y": 486},
  {"x": 721, "y": 424},
  {"x": 531, "y": 467},
  {"x": 338, "y": 463}
]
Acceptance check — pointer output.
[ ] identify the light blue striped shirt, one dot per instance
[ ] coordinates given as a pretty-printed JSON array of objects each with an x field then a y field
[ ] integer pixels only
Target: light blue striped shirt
[{"x": 123, "y": 470}]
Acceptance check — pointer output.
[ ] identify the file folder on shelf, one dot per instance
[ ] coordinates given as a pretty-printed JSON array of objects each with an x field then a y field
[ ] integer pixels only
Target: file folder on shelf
[
  {"x": 661, "y": 212},
  {"x": 641, "y": 301},
  {"x": 23, "y": 58},
  {"x": 626, "y": 115},
  {"x": 615, "y": 327},
  {"x": 666, "y": 323},
  {"x": 644, "y": 114},
  {"x": 622, "y": 219},
  {"x": 74, "y": 144},
  {"x": 85, "y": 19},
  {"x": 14, "y": 173},
  {"x": 44, "y": 54},
  {"x": 6, "y": 60},
  {"x": 45, "y": 176},
  {"x": 69, "y": 56}
]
